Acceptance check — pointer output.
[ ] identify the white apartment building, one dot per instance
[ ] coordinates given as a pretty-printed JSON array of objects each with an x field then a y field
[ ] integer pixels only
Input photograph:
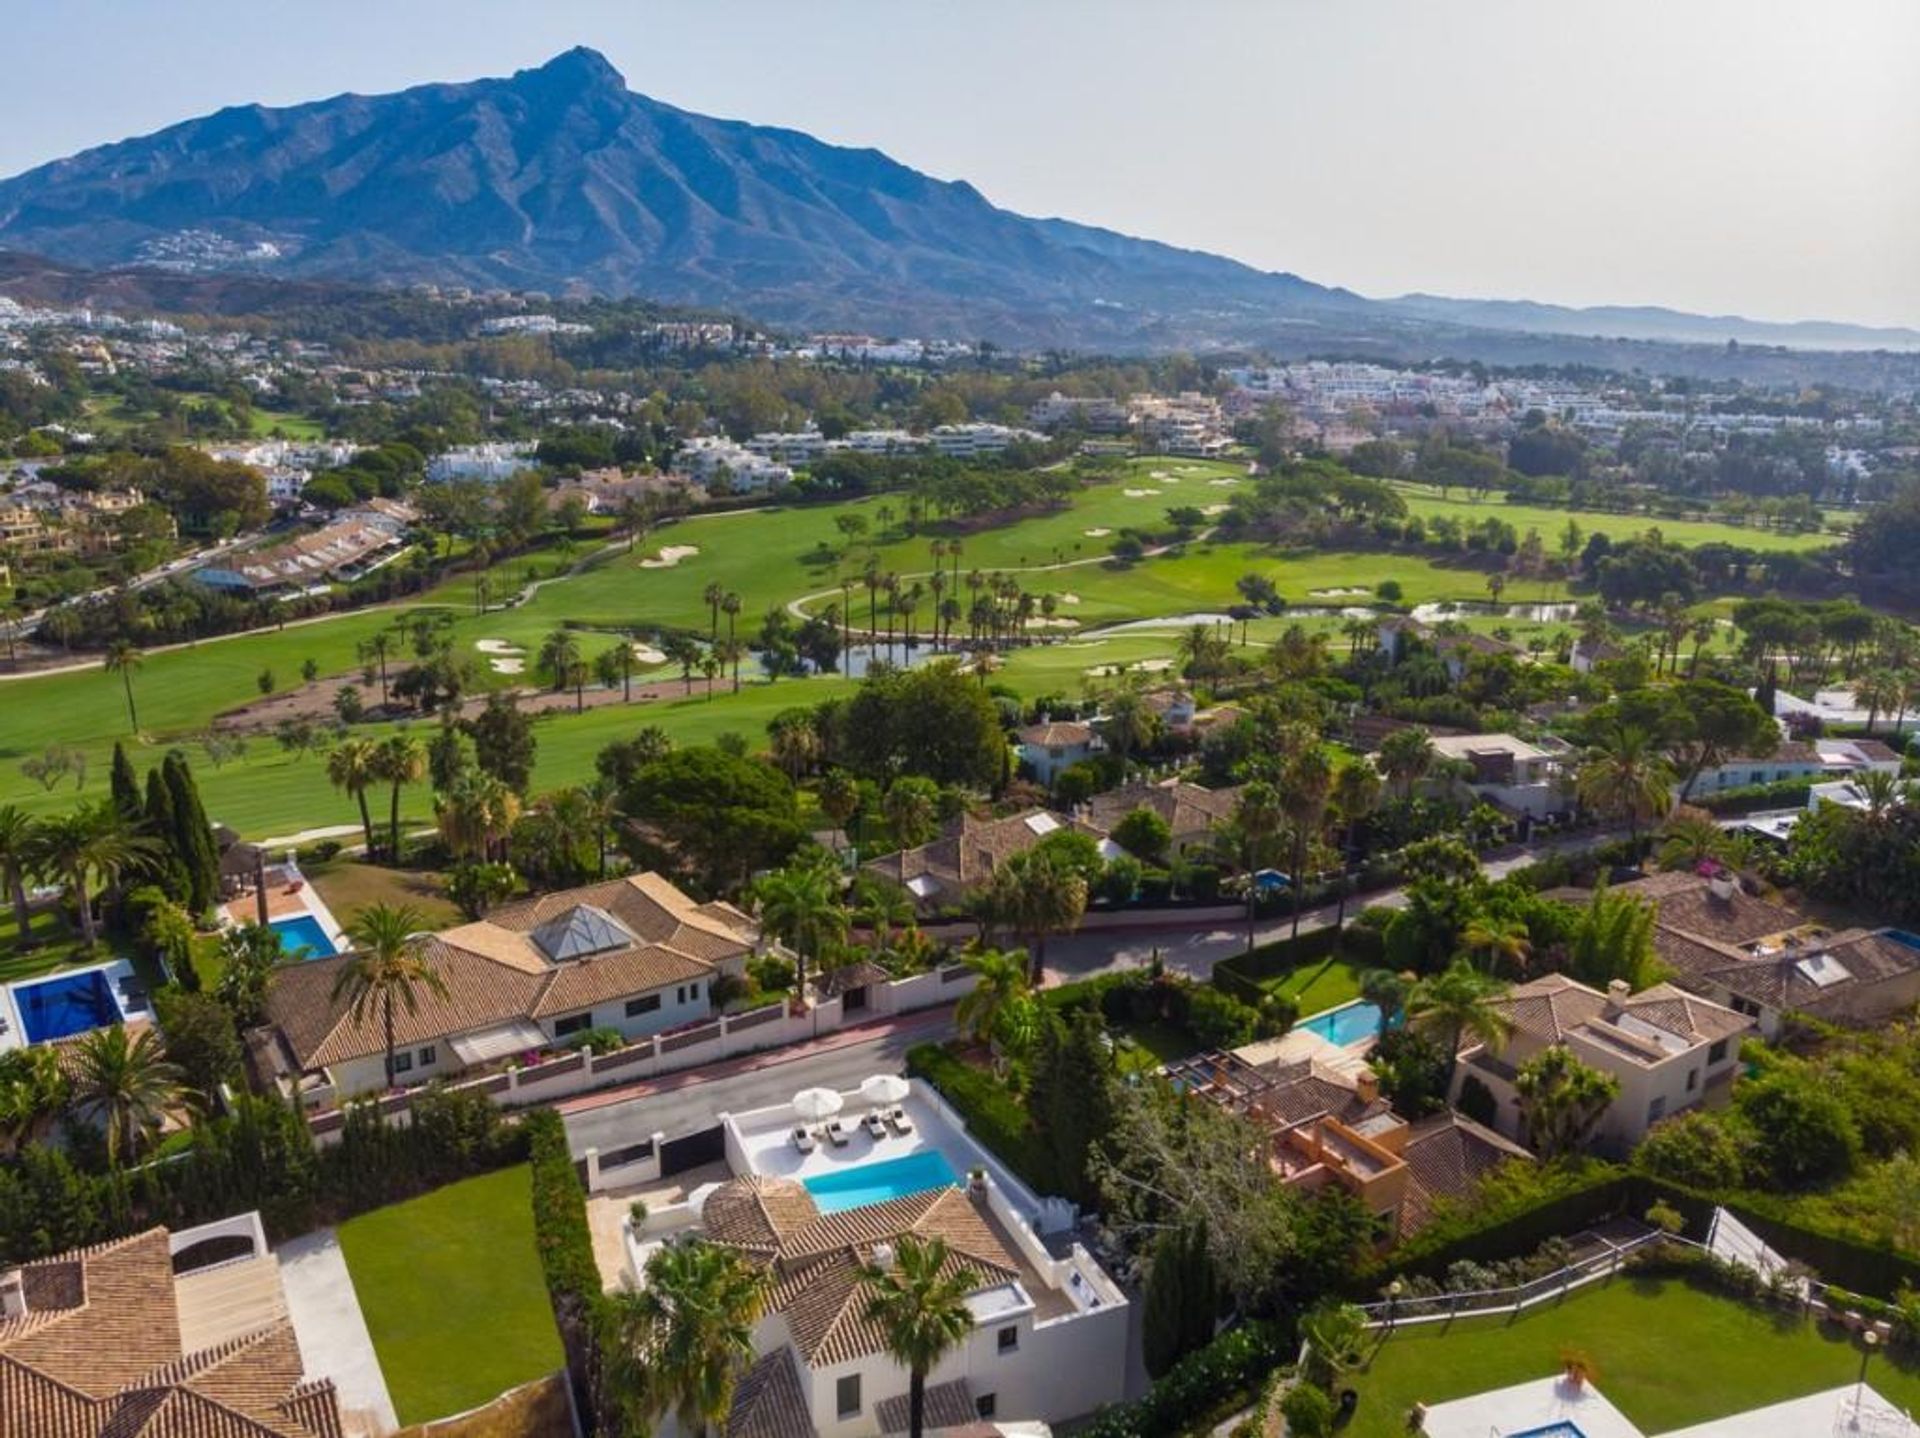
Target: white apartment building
[
  {"x": 488, "y": 462},
  {"x": 1096, "y": 415},
  {"x": 968, "y": 441},
  {"x": 719, "y": 465}
]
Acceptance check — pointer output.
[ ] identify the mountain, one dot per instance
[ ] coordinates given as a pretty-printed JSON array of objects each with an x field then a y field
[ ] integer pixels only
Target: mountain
[
  {"x": 1651, "y": 322},
  {"x": 560, "y": 178}
]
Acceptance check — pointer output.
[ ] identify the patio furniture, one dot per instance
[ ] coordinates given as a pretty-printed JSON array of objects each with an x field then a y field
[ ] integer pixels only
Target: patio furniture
[
  {"x": 898, "y": 1121},
  {"x": 803, "y": 1140},
  {"x": 837, "y": 1133},
  {"x": 874, "y": 1124}
]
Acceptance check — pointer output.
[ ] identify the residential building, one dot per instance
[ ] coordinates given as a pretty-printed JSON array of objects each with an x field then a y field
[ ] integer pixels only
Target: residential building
[
  {"x": 970, "y": 441},
  {"x": 1765, "y": 960},
  {"x": 635, "y": 955},
  {"x": 1667, "y": 1047},
  {"x": 1522, "y": 778},
  {"x": 355, "y": 543},
  {"x": 109, "y": 1340},
  {"x": 1051, "y": 746},
  {"x": 1328, "y": 1124},
  {"x": 943, "y": 872},
  {"x": 1187, "y": 424},
  {"x": 722, "y": 467},
  {"x": 792, "y": 447},
  {"x": 1794, "y": 759},
  {"x": 488, "y": 462},
  {"x": 1191, "y": 813},
  {"x": 1400, "y": 636},
  {"x": 1841, "y": 709},
  {"x": 1097, "y": 414}
]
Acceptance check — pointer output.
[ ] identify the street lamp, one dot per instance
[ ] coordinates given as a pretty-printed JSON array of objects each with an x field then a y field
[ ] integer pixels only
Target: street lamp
[
  {"x": 1869, "y": 1341},
  {"x": 1394, "y": 1290}
]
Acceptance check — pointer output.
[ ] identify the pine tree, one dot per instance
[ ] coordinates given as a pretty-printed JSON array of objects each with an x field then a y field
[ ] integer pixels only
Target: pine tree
[
  {"x": 1072, "y": 1100},
  {"x": 169, "y": 873},
  {"x": 125, "y": 785},
  {"x": 193, "y": 835},
  {"x": 1163, "y": 1314}
]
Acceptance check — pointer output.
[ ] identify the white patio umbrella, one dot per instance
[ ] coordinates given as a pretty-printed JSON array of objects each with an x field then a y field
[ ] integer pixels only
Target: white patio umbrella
[
  {"x": 883, "y": 1089},
  {"x": 814, "y": 1104}
]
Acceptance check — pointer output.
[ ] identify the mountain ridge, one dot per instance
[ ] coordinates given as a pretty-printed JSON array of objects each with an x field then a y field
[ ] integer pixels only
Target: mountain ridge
[{"x": 560, "y": 178}]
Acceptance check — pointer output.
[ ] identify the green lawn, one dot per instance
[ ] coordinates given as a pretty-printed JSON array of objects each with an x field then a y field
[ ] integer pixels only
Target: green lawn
[
  {"x": 1666, "y": 1354},
  {"x": 1319, "y": 986},
  {"x": 1424, "y": 500},
  {"x": 452, "y": 1294}
]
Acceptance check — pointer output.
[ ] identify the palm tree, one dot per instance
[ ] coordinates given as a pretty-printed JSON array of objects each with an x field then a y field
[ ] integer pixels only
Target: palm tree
[
  {"x": 93, "y": 843},
  {"x": 386, "y": 964},
  {"x": 1406, "y": 757},
  {"x": 1248, "y": 839},
  {"x": 1035, "y": 894},
  {"x": 399, "y": 761},
  {"x": 124, "y": 658},
  {"x": 1561, "y": 1099},
  {"x": 19, "y": 849},
  {"x": 560, "y": 656},
  {"x": 1627, "y": 778},
  {"x": 1305, "y": 787},
  {"x": 686, "y": 1334},
  {"x": 374, "y": 653},
  {"x": 475, "y": 814},
  {"x": 681, "y": 649},
  {"x": 1504, "y": 942},
  {"x": 909, "y": 809},
  {"x": 800, "y": 905},
  {"x": 999, "y": 986},
  {"x": 919, "y": 1303},
  {"x": 351, "y": 765},
  {"x": 34, "y": 1091},
  {"x": 124, "y": 1084},
  {"x": 1457, "y": 1003},
  {"x": 1881, "y": 691}
]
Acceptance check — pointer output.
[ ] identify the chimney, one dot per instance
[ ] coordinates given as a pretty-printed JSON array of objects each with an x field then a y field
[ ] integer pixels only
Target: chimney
[
  {"x": 13, "y": 1295},
  {"x": 1618, "y": 992},
  {"x": 883, "y": 1257},
  {"x": 1366, "y": 1084},
  {"x": 1721, "y": 886}
]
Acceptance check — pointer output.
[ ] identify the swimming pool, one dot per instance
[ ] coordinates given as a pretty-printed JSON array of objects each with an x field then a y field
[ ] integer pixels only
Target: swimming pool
[
  {"x": 878, "y": 1182},
  {"x": 1552, "y": 1430},
  {"x": 301, "y": 937},
  {"x": 1351, "y": 1024},
  {"x": 71, "y": 1004}
]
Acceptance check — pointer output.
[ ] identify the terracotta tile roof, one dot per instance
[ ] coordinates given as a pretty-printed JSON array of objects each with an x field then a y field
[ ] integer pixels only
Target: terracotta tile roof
[
  {"x": 97, "y": 1355},
  {"x": 495, "y": 971},
  {"x": 948, "y": 1405},
  {"x": 757, "y": 1213},
  {"x": 1553, "y": 1008},
  {"x": 1446, "y": 1157},
  {"x": 816, "y": 1267},
  {"x": 769, "y": 1402},
  {"x": 1188, "y": 809},
  {"x": 1058, "y": 734},
  {"x": 970, "y": 850}
]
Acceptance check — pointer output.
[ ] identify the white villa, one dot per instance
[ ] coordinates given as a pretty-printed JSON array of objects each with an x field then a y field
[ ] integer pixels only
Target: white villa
[
  {"x": 1553, "y": 1408},
  {"x": 635, "y": 955},
  {"x": 1667, "y": 1047},
  {"x": 1049, "y": 1340}
]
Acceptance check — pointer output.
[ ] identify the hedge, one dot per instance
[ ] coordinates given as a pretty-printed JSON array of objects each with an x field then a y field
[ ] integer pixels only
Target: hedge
[
  {"x": 1786, "y": 794},
  {"x": 993, "y": 1116},
  {"x": 1193, "y": 1392},
  {"x": 563, "y": 1238}
]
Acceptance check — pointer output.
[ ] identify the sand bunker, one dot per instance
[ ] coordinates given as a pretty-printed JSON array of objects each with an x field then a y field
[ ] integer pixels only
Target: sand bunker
[
  {"x": 1041, "y": 621},
  {"x": 1158, "y": 474},
  {"x": 508, "y": 666},
  {"x": 1069, "y": 599},
  {"x": 1339, "y": 592},
  {"x": 497, "y": 646},
  {"x": 1223, "y": 481},
  {"x": 1141, "y": 493},
  {"x": 670, "y": 556},
  {"x": 646, "y": 654},
  {"x": 1096, "y": 533},
  {"x": 1213, "y": 509}
]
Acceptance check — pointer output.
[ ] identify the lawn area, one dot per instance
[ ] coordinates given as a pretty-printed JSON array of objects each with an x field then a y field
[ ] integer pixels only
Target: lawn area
[
  {"x": 1668, "y": 1355},
  {"x": 55, "y": 945},
  {"x": 1318, "y": 986},
  {"x": 348, "y": 886},
  {"x": 1424, "y": 500},
  {"x": 452, "y": 1294}
]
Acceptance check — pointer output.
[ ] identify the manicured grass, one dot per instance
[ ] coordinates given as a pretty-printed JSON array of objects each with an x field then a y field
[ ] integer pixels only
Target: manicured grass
[
  {"x": 1668, "y": 1355},
  {"x": 1153, "y": 1043},
  {"x": 349, "y": 886},
  {"x": 1318, "y": 986},
  {"x": 1426, "y": 501},
  {"x": 452, "y": 1294}
]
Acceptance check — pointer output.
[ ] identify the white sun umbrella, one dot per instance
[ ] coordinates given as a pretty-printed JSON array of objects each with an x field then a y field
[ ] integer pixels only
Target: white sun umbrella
[
  {"x": 883, "y": 1089},
  {"x": 814, "y": 1104}
]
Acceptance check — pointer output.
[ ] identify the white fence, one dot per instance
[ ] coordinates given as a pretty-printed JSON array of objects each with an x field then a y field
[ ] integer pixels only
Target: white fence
[{"x": 711, "y": 1041}]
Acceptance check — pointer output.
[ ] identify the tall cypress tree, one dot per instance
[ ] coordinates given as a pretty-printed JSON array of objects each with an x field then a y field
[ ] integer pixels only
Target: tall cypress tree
[
  {"x": 169, "y": 874},
  {"x": 193, "y": 835},
  {"x": 126, "y": 786}
]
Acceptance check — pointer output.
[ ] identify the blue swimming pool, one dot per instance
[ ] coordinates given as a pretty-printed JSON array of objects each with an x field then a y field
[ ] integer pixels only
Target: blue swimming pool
[
  {"x": 302, "y": 937},
  {"x": 878, "y": 1182},
  {"x": 70, "y": 1004},
  {"x": 1553, "y": 1430},
  {"x": 1353, "y": 1024}
]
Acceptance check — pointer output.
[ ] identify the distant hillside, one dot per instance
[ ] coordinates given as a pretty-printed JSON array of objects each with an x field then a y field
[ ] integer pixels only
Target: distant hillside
[{"x": 1650, "y": 322}]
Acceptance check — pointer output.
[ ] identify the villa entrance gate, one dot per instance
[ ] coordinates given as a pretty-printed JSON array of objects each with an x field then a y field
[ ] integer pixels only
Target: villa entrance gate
[{"x": 677, "y": 1155}]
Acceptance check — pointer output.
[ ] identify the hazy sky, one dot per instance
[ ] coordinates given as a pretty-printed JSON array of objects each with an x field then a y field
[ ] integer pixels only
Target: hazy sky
[{"x": 1750, "y": 156}]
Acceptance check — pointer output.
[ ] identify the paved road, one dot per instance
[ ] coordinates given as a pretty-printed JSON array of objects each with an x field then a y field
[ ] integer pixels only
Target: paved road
[
  {"x": 687, "y": 1103},
  {"x": 1194, "y": 951}
]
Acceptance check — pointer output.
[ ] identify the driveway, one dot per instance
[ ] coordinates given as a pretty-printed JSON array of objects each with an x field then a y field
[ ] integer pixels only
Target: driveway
[{"x": 334, "y": 1342}]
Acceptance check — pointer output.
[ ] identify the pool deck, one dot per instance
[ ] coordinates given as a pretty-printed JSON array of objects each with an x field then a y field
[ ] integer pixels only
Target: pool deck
[
  {"x": 1511, "y": 1412},
  {"x": 286, "y": 901},
  {"x": 13, "y": 1028}
]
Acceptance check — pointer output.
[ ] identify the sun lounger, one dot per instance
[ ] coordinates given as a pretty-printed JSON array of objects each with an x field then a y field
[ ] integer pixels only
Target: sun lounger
[
  {"x": 803, "y": 1140},
  {"x": 837, "y": 1133},
  {"x": 874, "y": 1124},
  {"x": 898, "y": 1121}
]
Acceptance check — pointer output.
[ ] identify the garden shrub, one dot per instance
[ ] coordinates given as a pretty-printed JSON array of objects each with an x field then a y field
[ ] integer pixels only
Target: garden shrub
[
  {"x": 1227, "y": 1370},
  {"x": 993, "y": 1115}
]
